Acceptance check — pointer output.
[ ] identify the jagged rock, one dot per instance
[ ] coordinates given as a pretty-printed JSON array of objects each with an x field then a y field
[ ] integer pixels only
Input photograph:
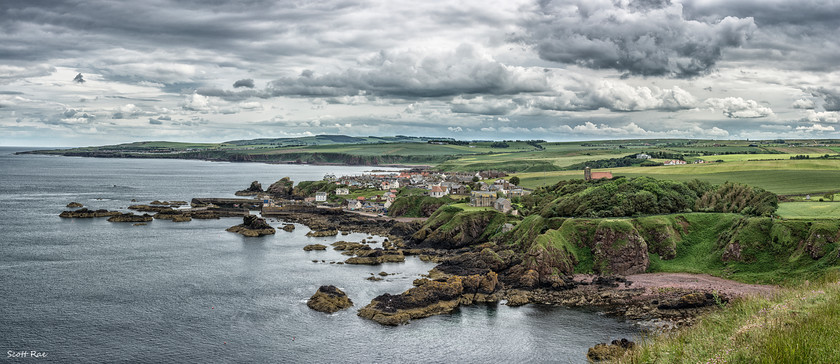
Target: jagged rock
[
  {"x": 311, "y": 247},
  {"x": 130, "y": 217},
  {"x": 84, "y": 213},
  {"x": 74, "y": 205},
  {"x": 289, "y": 227},
  {"x": 173, "y": 215},
  {"x": 149, "y": 208},
  {"x": 518, "y": 299},
  {"x": 281, "y": 188},
  {"x": 619, "y": 249},
  {"x": 322, "y": 233},
  {"x": 613, "y": 351},
  {"x": 691, "y": 300},
  {"x": 376, "y": 256},
  {"x": 254, "y": 189},
  {"x": 431, "y": 298},
  {"x": 329, "y": 299},
  {"x": 252, "y": 226},
  {"x": 373, "y": 278}
]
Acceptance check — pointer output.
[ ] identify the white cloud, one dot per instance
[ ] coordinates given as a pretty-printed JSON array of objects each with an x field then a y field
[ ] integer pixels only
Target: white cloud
[
  {"x": 831, "y": 117},
  {"x": 736, "y": 107},
  {"x": 815, "y": 128}
]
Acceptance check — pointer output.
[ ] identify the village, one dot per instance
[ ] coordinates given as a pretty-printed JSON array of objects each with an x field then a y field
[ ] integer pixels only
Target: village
[{"x": 376, "y": 192}]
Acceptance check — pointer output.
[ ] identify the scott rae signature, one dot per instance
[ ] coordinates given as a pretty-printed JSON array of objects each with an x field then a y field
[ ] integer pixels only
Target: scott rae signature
[{"x": 26, "y": 354}]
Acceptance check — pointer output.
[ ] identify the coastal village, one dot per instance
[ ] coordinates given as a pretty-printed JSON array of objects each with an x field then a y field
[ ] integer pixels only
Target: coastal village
[{"x": 376, "y": 192}]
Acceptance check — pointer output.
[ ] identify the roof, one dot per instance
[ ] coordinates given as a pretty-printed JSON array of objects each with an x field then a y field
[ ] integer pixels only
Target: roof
[
  {"x": 487, "y": 193},
  {"x": 437, "y": 189}
]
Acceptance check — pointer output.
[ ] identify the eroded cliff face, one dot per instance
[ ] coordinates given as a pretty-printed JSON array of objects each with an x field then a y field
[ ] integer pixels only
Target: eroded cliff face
[
  {"x": 458, "y": 229},
  {"x": 619, "y": 249}
]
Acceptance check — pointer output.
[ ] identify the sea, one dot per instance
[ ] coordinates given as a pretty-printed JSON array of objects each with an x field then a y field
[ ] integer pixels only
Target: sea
[{"x": 91, "y": 291}]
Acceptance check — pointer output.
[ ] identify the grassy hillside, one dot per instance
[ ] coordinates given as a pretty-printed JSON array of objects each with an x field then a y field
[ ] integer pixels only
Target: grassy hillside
[{"x": 798, "y": 325}]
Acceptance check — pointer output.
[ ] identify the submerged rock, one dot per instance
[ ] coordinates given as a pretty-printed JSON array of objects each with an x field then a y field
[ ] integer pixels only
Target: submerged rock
[
  {"x": 376, "y": 256},
  {"x": 130, "y": 217},
  {"x": 322, "y": 233},
  {"x": 329, "y": 299},
  {"x": 74, "y": 205},
  {"x": 252, "y": 226},
  {"x": 311, "y": 247},
  {"x": 85, "y": 213},
  {"x": 289, "y": 227}
]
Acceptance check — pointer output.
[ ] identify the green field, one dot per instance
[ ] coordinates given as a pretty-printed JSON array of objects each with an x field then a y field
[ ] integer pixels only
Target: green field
[
  {"x": 809, "y": 210},
  {"x": 785, "y": 177}
]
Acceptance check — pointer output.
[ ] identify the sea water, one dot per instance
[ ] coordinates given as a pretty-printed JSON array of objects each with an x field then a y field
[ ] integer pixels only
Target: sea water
[{"x": 87, "y": 290}]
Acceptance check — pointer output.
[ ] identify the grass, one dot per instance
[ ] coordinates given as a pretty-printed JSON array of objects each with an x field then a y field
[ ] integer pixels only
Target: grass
[
  {"x": 778, "y": 176},
  {"x": 809, "y": 210},
  {"x": 468, "y": 208},
  {"x": 796, "y": 325}
]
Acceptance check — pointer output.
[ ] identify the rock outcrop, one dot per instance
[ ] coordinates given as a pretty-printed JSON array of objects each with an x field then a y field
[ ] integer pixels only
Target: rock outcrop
[
  {"x": 84, "y": 213},
  {"x": 281, "y": 188},
  {"x": 376, "y": 256},
  {"x": 254, "y": 189},
  {"x": 173, "y": 215},
  {"x": 329, "y": 299},
  {"x": 289, "y": 227},
  {"x": 322, "y": 233},
  {"x": 74, "y": 205},
  {"x": 150, "y": 208},
  {"x": 432, "y": 298},
  {"x": 613, "y": 351},
  {"x": 130, "y": 217},
  {"x": 252, "y": 226},
  {"x": 619, "y": 249},
  {"x": 311, "y": 247}
]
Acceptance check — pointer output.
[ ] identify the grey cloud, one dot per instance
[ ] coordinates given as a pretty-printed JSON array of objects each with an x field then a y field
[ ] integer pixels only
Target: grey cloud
[
  {"x": 248, "y": 82},
  {"x": 411, "y": 74},
  {"x": 638, "y": 38},
  {"x": 831, "y": 98},
  {"x": 79, "y": 78},
  {"x": 155, "y": 121}
]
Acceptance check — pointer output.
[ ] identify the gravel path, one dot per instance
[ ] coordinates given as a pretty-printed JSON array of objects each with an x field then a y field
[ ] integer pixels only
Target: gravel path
[{"x": 700, "y": 282}]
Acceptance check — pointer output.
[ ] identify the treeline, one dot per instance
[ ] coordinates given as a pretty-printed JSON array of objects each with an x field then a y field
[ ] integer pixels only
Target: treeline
[
  {"x": 622, "y": 197},
  {"x": 626, "y": 161}
]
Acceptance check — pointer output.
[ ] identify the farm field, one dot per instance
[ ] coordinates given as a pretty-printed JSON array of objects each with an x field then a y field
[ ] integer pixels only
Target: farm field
[
  {"x": 809, "y": 210},
  {"x": 785, "y": 177}
]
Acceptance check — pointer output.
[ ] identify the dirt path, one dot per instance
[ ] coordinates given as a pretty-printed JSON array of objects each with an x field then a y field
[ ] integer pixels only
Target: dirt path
[{"x": 700, "y": 282}]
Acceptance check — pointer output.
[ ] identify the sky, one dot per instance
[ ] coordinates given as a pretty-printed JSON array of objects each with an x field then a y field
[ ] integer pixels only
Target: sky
[{"x": 93, "y": 72}]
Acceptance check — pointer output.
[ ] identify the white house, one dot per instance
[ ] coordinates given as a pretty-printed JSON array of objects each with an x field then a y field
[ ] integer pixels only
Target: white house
[
  {"x": 342, "y": 191},
  {"x": 674, "y": 162},
  {"x": 320, "y": 196},
  {"x": 438, "y": 191},
  {"x": 642, "y": 156}
]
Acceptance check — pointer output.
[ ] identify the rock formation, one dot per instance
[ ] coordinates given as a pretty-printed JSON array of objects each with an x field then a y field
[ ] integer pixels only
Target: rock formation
[
  {"x": 289, "y": 227},
  {"x": 281, "y": 188},
  {"x": 329, "y": 299},
  {"x": 432, "y": 298},
  {"x": 376, "y": 256},
  {"x": 254, "y": 189},
  {"x": 85, "y": 213},
  {"x": 613, "y": 351},
  {"x": 252, "y": 226},
  {"x": 311, "y": 247},
  {"x": 130, "y": 217},
  {"x": 74, "y": 205},
  {"x": 322, "y": 233}
]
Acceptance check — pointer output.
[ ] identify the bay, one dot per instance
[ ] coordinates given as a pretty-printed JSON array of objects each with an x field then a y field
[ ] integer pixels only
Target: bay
[{"x": 86, "y": 290}]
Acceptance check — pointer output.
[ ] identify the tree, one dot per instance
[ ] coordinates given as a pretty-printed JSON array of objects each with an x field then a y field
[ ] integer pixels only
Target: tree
[
  {"x": 514, "y": 180},
  {"x": 476, "y": 179},
  {"x": 829, "y": 196}
]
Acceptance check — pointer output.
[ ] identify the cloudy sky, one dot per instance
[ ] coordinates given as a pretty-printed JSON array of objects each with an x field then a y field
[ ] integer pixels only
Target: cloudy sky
[{"x": 93, "y": 72}]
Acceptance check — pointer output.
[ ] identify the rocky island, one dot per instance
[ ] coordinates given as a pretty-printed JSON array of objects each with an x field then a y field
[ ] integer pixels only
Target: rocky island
[
  {"x": 329, "y": 299},
  {"x": 252, "y": 226}
]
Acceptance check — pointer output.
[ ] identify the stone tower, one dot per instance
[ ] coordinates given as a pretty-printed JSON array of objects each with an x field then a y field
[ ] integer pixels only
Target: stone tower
[{"x": 587, "y": 174}]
